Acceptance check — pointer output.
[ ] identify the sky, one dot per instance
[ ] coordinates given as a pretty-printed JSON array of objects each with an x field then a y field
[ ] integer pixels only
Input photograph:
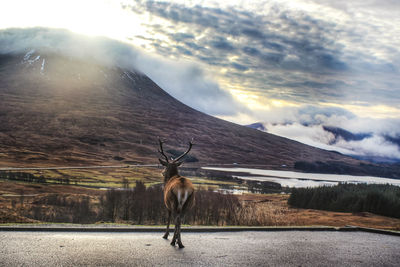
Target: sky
[{"x": 295, "y": 66}]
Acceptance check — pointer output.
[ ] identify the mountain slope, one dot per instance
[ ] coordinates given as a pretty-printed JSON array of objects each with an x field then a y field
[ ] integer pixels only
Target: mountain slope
[{"x": 61, "y": 110}]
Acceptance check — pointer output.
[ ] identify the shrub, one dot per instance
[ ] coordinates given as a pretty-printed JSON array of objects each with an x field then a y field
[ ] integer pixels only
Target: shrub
[
  {"x": 375, "y": 198},
  {"x": 141, "y": 205}
]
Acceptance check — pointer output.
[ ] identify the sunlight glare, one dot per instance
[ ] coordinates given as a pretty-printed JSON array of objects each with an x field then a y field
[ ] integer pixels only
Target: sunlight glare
[{"x": 94, "y": 18}]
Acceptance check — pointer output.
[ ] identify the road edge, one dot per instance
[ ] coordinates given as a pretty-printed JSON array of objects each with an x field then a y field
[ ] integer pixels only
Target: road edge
[{"x": 189, "y": 229}]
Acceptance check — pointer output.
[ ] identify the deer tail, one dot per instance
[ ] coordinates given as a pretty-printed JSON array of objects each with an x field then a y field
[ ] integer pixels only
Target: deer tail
[{"x": 182, "y": 197}]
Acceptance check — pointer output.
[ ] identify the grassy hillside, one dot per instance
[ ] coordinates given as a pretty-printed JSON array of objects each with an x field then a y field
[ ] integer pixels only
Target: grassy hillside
[{"x": 77, "y": 113}]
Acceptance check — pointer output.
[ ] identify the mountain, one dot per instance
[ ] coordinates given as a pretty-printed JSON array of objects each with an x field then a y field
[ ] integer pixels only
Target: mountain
[
  {"x": 372, "y": 146},
  {"x": 257, "y": 126},
  {"x": 61, "y": 110},
  {"x": 339, "y": 133},
  {"x": 394, "y": 140}
]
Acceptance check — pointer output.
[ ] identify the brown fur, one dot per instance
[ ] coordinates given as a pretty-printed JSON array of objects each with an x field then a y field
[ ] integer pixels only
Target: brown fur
[
  {"x": 171, "y": 193},
  {"x": 174, "y": 185},
  {"x": 178, "y": 193}
]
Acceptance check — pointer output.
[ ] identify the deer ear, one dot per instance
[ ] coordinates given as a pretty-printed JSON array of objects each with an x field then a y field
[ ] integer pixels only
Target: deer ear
[
  {"x": 179, "y": 163},
  {"x": 163, "y": 162}
]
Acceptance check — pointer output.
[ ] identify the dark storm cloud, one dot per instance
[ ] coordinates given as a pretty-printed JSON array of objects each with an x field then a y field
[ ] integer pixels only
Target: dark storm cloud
[
  {"x": 329, "y": 61},
  {"x": 268, "y": 35},
  {"x": 272, "y": 58},
  {"x": 192, "y": 45},
  {"x": 253, "y": 33},
  {"x": 313, "y": 84},
  {"x": 221, "y": 44},
  {"x": 179, "y": 13},
  {"x": 183, "y": 50},
  {"x": 250, "y": 51},
  {"x": 239, "y": 66},
  {"x": 272, "y": 46},
  {"x": 181, "y": 37},
  {"x": 286, "y": 49}
]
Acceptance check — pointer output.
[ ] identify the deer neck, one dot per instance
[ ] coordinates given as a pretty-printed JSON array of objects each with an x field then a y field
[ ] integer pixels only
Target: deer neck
[{"x": 169, "y": 175}]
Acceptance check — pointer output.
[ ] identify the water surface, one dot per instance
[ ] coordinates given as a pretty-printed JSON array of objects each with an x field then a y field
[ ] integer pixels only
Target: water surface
[{"x": 300, "y": 179}]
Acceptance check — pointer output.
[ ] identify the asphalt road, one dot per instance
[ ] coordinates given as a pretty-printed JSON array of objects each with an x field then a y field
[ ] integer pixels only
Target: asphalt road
[{"x": 277, "y": 248}]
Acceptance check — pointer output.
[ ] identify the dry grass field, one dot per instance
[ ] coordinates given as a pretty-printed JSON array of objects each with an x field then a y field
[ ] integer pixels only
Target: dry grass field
[
  {"x": 17, "y": 199},
  {"x": 274, "y": 210}
]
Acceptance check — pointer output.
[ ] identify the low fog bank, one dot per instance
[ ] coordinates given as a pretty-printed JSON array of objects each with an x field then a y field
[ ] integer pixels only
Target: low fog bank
[{"x": 338, "y": 130}]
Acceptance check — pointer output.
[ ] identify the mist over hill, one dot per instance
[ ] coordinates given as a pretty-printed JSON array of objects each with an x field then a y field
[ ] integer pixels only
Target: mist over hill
[
  {"x": 368, "y": 140},
  {"x": 57, "y": 109},
  {"x": 329, "y": 128}
]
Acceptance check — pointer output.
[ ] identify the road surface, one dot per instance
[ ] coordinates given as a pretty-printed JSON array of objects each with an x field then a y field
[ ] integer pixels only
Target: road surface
[{"x": 276, "y": 248}]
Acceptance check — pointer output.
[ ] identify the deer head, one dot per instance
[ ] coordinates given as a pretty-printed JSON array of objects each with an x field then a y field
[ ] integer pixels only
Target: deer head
[{"x": 171, "y": 167}]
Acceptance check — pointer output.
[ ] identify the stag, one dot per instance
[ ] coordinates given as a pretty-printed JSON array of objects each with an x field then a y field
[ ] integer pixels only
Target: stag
[{"x": 178, "y": 192}]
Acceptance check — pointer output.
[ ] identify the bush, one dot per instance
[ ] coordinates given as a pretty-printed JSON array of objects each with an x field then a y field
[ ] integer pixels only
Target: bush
[
  {"x": 141, "y": 205},
  {"x": 22, "y": 177},
  {"x": 62, "y": 208},
  {"x": 145, "y": 205},
  {"x": 374, "y": 198}
]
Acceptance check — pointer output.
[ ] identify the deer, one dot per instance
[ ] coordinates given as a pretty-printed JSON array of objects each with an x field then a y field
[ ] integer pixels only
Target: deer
[{"x": 178, "y": 192}]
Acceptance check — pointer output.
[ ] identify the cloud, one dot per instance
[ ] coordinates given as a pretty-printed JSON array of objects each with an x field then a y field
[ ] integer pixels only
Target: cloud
[
  {"x": 326, "y": 128},
  {"x": 376, "y": 146},
  {"x": 315, "y": 52},
  {"x": 306, "y": 52},
  {"x": 268, "y": 34},
  {"x": 239, "y": 66},
  {"x": 222, "y": 44},
  {"x": 190, "y": 84},
  {"x": 184, "y": 80}
]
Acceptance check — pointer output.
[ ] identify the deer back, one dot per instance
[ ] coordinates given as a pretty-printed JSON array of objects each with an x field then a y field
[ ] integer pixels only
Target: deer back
[{"x": 179, "y": 194}]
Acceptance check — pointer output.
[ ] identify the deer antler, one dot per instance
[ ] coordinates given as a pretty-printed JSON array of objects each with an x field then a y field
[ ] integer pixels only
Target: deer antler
[
  {"x": 187, "y": 151},
  {"x": 161, "y": 150}
]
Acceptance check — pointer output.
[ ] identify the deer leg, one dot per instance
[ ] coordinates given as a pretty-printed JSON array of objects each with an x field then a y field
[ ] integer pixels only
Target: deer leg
[
  {"x": 179, "y": 232},
  {"x": 169, "y": 220},
  {"x": 175, "y": 232}
]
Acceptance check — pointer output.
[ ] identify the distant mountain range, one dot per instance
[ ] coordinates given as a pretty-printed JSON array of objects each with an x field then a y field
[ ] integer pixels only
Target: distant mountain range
[
  {"x": 341, "y": 134},
  {"x": 257, "y": 126}
]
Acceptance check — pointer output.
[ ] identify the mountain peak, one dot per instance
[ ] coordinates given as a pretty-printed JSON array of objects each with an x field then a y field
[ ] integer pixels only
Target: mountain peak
[
  {"x": 56, "y": 109},
  {"x": 257, "y": 126}
]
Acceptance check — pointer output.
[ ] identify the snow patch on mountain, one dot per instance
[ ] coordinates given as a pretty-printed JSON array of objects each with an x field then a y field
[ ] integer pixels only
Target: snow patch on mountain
[
  {"x": 28, "y": 54},
  {"x": 129, "y": 76},
  {"x": 42, "y": 67}
]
